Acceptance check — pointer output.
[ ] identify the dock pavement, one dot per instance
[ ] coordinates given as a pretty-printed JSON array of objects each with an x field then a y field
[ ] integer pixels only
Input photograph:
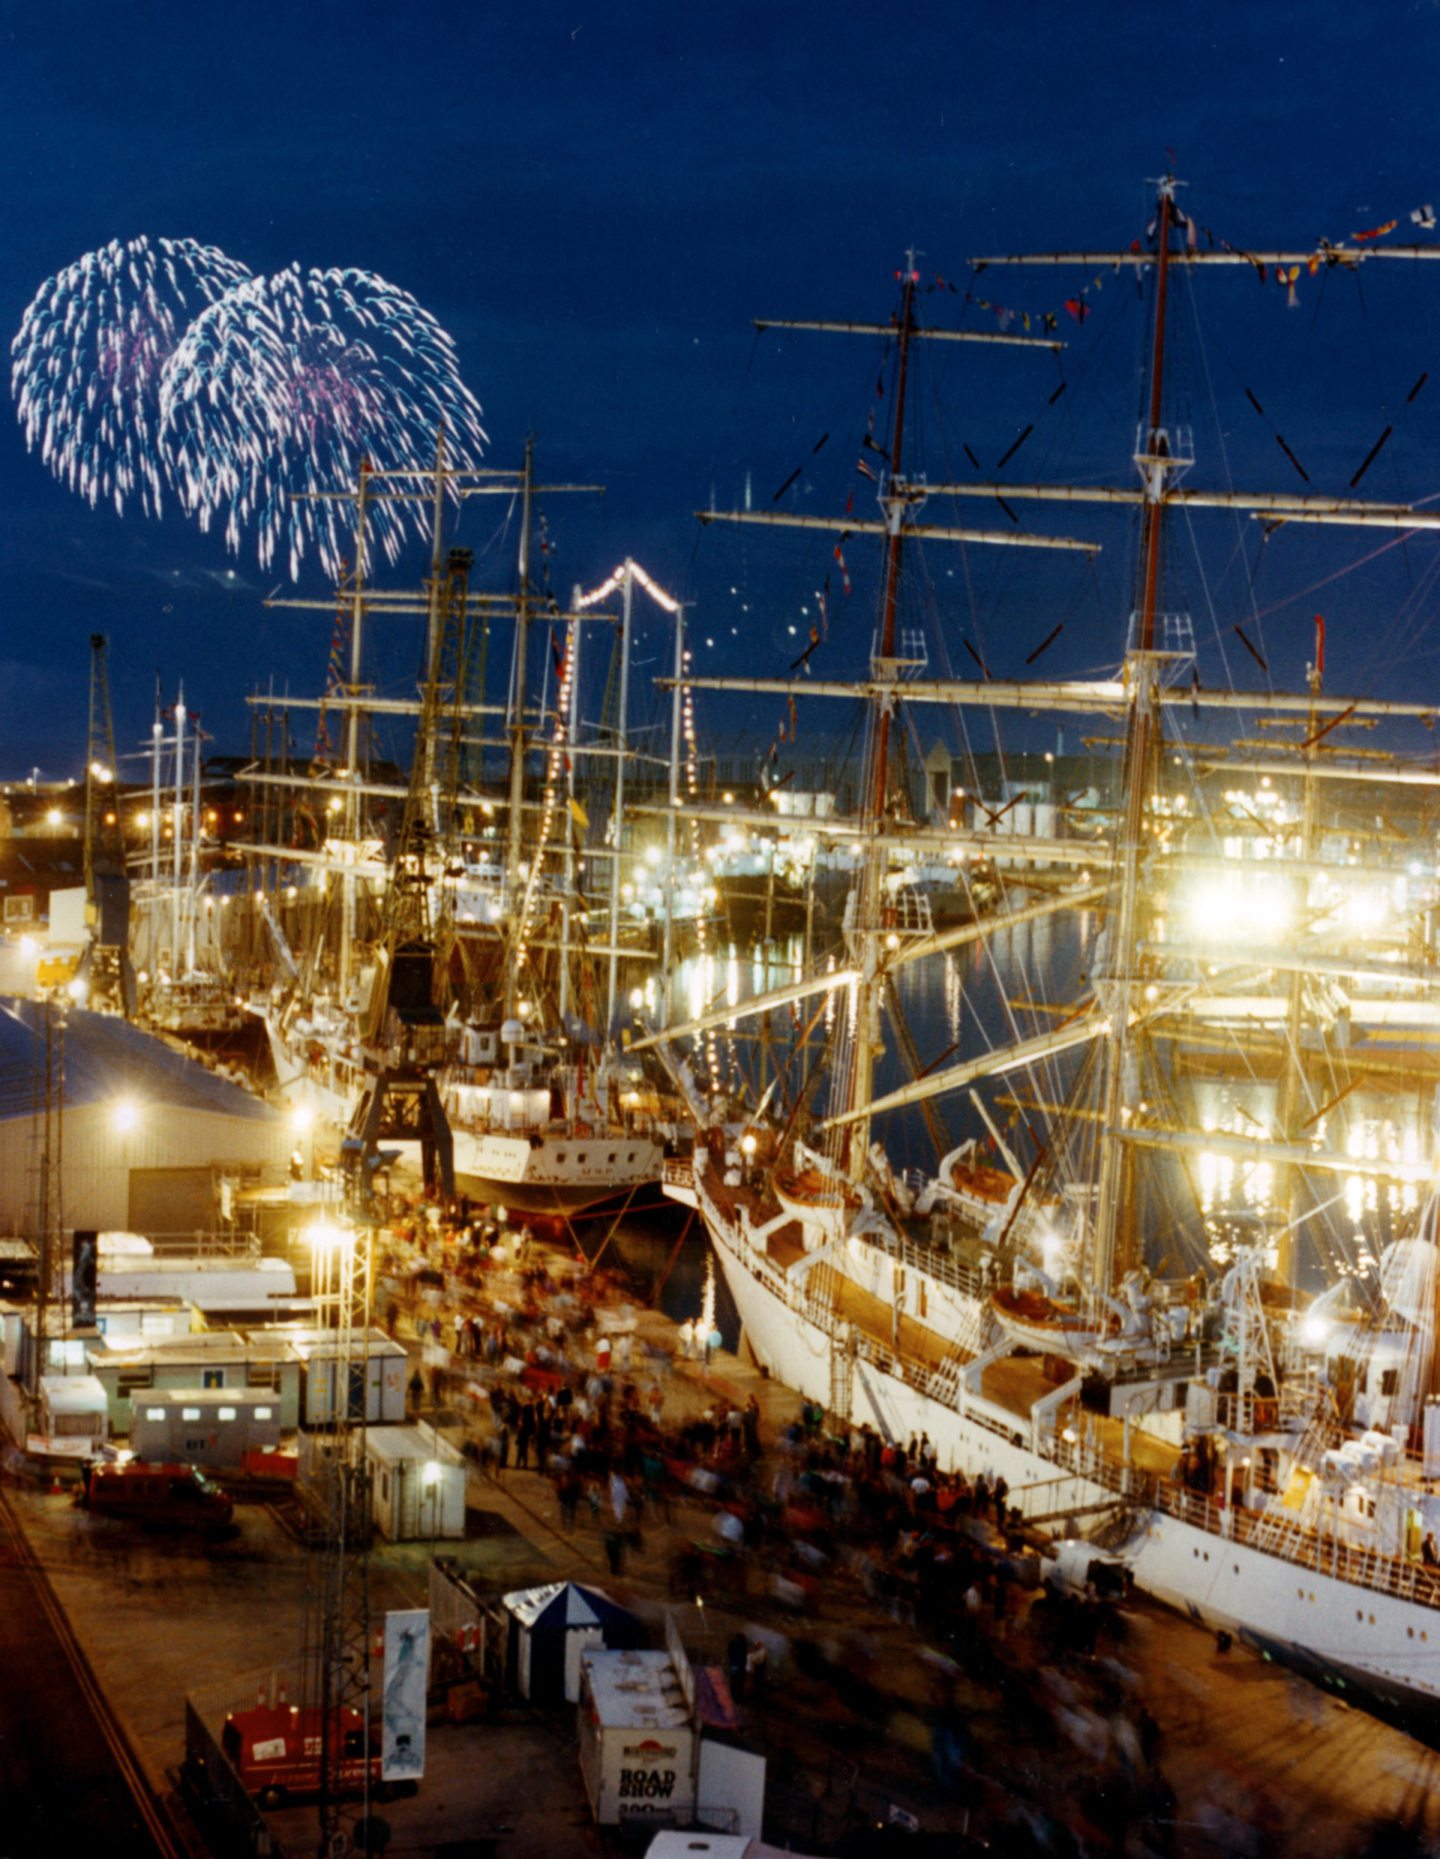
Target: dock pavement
[{"x": 1254, "y": 1761}]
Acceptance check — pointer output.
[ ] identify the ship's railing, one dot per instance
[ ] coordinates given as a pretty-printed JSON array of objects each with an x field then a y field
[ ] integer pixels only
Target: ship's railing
[
  {"x": 1084, "y": 1457},
  {"x": 229, "y": 1244},
  {"x": 677, "y": 1171},
  {"x": 1269, "y": 1531},
  {"x": 968, "y": 1280}
]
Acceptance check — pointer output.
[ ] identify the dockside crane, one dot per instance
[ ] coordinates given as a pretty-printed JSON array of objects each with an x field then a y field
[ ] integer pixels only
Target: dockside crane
[
  {"x": 405, "y": 1028},
  {"x": 105, "y": 967}
]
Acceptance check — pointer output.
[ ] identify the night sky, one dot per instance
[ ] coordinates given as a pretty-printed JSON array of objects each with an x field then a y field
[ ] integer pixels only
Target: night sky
[{"x": 596, "y": 199}]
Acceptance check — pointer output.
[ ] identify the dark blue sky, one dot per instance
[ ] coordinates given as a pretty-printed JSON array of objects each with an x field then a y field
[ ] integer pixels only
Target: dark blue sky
[{"x": 595, "y": 200}]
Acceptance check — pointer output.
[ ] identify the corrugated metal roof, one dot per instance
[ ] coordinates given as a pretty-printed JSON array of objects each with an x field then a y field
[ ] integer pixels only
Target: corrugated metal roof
[{"x": 103, "y": 1058}]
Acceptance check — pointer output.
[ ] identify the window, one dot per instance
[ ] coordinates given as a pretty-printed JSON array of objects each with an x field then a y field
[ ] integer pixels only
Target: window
[
  {"x": 1390, "y": 1381},
  {"x": 128, "y": 1379},
  {"x": 189, "y": 1413},
  {"x": 262, "y": 1374},
  {"x": 227, "y": 1413},
  {"x": 264, "y": 1413},
  {"x": 154, "y": 1413},
  {"x": 212, "y": 1378}
]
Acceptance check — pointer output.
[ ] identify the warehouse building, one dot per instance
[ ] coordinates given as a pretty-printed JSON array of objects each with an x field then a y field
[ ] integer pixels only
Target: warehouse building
[{"x": 138, "y": 1136}]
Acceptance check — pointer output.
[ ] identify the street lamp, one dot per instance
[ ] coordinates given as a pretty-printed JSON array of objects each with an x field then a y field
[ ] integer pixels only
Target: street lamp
[
  {"x": 302, "y": 1122},
  {"x": 430, "y": 1479}
]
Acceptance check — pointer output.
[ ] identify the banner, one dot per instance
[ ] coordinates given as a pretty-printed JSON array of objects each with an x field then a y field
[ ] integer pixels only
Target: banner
[{"x": 407, "y": 1676}]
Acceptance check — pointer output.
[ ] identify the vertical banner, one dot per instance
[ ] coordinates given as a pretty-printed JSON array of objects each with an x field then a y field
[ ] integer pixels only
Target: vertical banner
[
  {"x": 407, "y": 1676},
  {"x": 83, "y": 1265}
]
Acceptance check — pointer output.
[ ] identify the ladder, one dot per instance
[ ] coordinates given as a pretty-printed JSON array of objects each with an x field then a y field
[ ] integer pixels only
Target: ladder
[{"x": 842, "y": 1370}]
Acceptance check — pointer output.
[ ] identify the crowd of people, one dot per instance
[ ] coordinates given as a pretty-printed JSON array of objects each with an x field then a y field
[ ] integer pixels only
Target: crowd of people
[{"x": 832, "y": 1552}]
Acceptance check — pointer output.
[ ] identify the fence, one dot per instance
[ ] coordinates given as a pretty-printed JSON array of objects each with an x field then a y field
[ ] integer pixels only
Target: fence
[{"x": 233, "y": 1826}]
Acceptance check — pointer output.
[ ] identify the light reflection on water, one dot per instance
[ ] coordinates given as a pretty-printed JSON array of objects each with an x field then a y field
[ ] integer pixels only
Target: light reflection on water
[{"x": 983, "y": 994}]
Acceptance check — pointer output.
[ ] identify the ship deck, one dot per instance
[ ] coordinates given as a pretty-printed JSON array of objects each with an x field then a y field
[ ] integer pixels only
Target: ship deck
[
  {"x": 1139, "y": 1469},
  {"x": 1015, "y": 1383}
]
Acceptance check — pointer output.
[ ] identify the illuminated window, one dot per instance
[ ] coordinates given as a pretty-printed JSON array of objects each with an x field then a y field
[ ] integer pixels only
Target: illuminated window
[
  {"x": 189, "y": 1413},
  {"x": 154, "y": 1413},
  {"x": 264, "y": 1413},
  {"x": 227, "y": 1413}
]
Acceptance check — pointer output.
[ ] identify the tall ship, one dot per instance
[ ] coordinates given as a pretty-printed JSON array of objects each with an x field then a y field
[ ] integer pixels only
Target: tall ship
[
  {"x": 490, "y": 875},
  {"x": 1235, "y": 1394}
]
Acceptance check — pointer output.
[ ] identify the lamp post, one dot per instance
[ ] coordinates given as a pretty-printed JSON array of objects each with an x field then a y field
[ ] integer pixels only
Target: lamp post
[{"x": 430, "y": 1477}]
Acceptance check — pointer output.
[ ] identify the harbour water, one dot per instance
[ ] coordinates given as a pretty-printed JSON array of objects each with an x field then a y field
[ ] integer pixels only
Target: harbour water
[{"x": 1012, "y": 984}]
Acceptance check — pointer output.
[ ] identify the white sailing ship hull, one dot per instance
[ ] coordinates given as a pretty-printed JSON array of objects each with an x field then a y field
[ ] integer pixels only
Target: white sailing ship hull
[
  {"x": 541, "y": 1172},
  {"x": 329, "y": 1093},
  {"x": 1348, "y": 1634}
]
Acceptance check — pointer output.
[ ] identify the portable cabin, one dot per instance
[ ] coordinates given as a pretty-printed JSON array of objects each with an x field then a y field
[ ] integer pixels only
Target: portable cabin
[
  {"x": 417, "y": 1483},
  {"x": 74, "y": 1414},
  {"x": 254, "y": 1284},
  {"x": 373, "y": 1365},
  {"x": 204, "y": 1426},
  {"x": 215, "y": 1359}
]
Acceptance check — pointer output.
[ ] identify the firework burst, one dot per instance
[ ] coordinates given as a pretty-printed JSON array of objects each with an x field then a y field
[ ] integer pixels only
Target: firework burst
[
  {"x": 279, "y": 389},
  {"x": 87, "y": 362}
]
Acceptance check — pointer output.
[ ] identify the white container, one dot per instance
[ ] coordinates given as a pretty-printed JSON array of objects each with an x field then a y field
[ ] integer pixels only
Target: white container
[
  {"x": 417, "y": 1484},
  {"x": 637, "y": 1740}
]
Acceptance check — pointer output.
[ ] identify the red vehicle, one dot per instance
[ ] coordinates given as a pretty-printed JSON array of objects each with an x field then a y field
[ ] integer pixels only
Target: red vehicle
[
  {"x": 277, "y": 1749},
  {"x": 180, "y": 1496}
]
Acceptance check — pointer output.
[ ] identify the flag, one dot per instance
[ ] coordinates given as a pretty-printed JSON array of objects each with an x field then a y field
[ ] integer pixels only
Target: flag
[{"x": 579, "y": 815}]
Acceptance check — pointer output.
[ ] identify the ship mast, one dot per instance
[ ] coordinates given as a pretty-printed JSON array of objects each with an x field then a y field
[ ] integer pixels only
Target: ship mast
[
  {"x": 1291, "y": 1097},
  {"x": 515, "y": 845},
  {"x": 1115, "y": 981},
  {"x": 859, "y": 1087},
  {"x": 899, "y": 499}
]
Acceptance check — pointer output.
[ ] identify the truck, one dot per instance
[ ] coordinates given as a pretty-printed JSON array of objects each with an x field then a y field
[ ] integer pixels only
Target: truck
[
  {"x": 176, "y": 1496},
  {"x": 278, "y": 1750}
]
